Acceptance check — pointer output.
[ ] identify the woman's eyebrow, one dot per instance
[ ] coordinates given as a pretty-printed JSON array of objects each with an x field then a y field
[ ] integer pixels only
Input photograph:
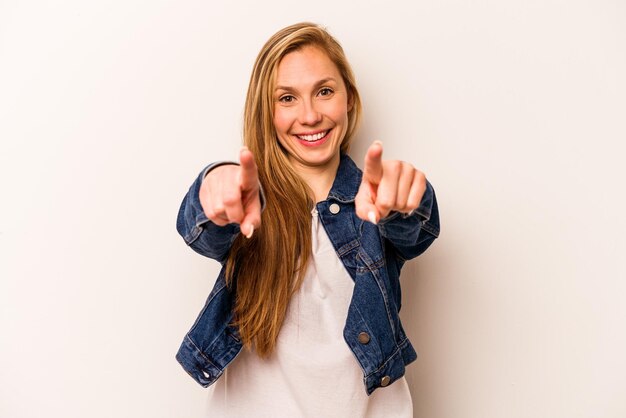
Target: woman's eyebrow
[
  {"x": 324, "y": 81},
  {"x": 317, "y": 84}
]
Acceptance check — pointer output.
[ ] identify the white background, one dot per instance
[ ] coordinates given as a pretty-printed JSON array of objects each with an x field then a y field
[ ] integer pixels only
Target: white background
[{"x": 515, "y": 111}]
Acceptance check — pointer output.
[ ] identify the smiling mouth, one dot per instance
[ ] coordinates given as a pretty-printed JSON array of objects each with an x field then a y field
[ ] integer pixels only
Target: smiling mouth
[{"x": 313, "y": 137}]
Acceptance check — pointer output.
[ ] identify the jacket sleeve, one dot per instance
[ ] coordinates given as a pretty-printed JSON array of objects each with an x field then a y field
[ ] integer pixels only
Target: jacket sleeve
[
  {"x": 202, "y": 235},
  {"x": 412, "y": 234}
]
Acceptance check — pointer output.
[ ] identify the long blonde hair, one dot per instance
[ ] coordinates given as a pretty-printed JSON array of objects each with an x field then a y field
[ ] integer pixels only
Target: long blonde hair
[{"x": 267, "y": 269}]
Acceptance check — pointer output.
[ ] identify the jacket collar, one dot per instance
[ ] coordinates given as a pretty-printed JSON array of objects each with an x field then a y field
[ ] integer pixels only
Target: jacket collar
[{"x": 347, "y": 180}]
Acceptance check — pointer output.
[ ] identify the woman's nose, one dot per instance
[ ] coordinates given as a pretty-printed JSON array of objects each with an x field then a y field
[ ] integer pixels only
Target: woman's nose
[{"x": 309, "y": 114}]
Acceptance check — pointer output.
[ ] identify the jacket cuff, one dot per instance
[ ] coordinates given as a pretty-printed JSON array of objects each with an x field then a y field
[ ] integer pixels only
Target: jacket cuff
[{"x": 212, "y": 166}]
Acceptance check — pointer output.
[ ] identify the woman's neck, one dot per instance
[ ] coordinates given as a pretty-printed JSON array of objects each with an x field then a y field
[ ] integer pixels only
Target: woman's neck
[{"x": 319, "y": 178}]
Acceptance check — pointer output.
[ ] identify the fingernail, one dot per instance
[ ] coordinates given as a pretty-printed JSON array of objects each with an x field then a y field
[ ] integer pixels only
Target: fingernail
[
  {"x": 251, "y": 232},
  {"x": 378, "y": 142},
  {"x": 371, "y": 216}
]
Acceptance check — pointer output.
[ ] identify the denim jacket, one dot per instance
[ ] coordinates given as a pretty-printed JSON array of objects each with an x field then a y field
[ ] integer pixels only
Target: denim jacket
[{"x": 372, "y": 254}]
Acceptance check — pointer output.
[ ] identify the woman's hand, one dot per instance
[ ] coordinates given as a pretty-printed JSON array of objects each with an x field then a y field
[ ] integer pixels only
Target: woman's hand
[
  {"x": 231, "y": 194},
  {"x": 387, "y": 186}
]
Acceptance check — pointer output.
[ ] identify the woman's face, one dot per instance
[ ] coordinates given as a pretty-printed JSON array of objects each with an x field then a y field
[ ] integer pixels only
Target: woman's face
[{"x": 311, "y": 105}]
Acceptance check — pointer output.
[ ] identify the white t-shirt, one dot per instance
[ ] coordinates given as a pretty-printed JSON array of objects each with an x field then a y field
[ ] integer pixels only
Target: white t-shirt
[{"x": 312, "y": 372}]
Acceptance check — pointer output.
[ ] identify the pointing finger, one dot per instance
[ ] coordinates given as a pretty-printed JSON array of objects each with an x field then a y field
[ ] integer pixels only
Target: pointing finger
[
  {"x": 373, "y": 169},
  {"x": 249, "y": 178},
  {"x": 252, "y": 217},
  {"x": 364, "y": 206}
]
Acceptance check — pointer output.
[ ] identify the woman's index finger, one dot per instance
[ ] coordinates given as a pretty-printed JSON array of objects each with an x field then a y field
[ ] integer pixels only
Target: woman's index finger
[
  {"x": 373, "y": 168},
  {"x": 249, "y": 177}
]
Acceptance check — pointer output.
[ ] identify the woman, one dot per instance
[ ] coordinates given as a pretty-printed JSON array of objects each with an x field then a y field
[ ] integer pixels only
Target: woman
[{"x": 305, "y": 310}]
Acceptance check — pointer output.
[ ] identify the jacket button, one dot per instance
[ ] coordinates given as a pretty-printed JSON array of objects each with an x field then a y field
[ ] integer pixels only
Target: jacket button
[
  {"x": 334, "y": 208},
  {"x": 385, "y": 381},
  {"x": 364, "y": 338}
]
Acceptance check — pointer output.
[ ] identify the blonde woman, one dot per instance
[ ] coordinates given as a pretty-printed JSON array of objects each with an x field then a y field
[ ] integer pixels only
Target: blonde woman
[{"x": 303, "y": 319}]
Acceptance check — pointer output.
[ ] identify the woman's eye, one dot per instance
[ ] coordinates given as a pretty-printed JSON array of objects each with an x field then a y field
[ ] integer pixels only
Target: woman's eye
[
  {"x": 325, "y": 92},
  {"x": 286, "y": 99}
]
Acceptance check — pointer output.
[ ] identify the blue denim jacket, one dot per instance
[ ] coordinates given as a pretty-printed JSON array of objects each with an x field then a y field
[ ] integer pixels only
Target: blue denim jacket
[{"x": 372, "y": 254}]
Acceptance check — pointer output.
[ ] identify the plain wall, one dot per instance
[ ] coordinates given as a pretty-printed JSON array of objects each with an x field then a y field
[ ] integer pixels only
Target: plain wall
[{"x": 514, "y": 110}]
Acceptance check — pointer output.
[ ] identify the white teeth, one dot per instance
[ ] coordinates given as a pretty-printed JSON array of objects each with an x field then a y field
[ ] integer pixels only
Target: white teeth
[{"x": 311, "y": 138}]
